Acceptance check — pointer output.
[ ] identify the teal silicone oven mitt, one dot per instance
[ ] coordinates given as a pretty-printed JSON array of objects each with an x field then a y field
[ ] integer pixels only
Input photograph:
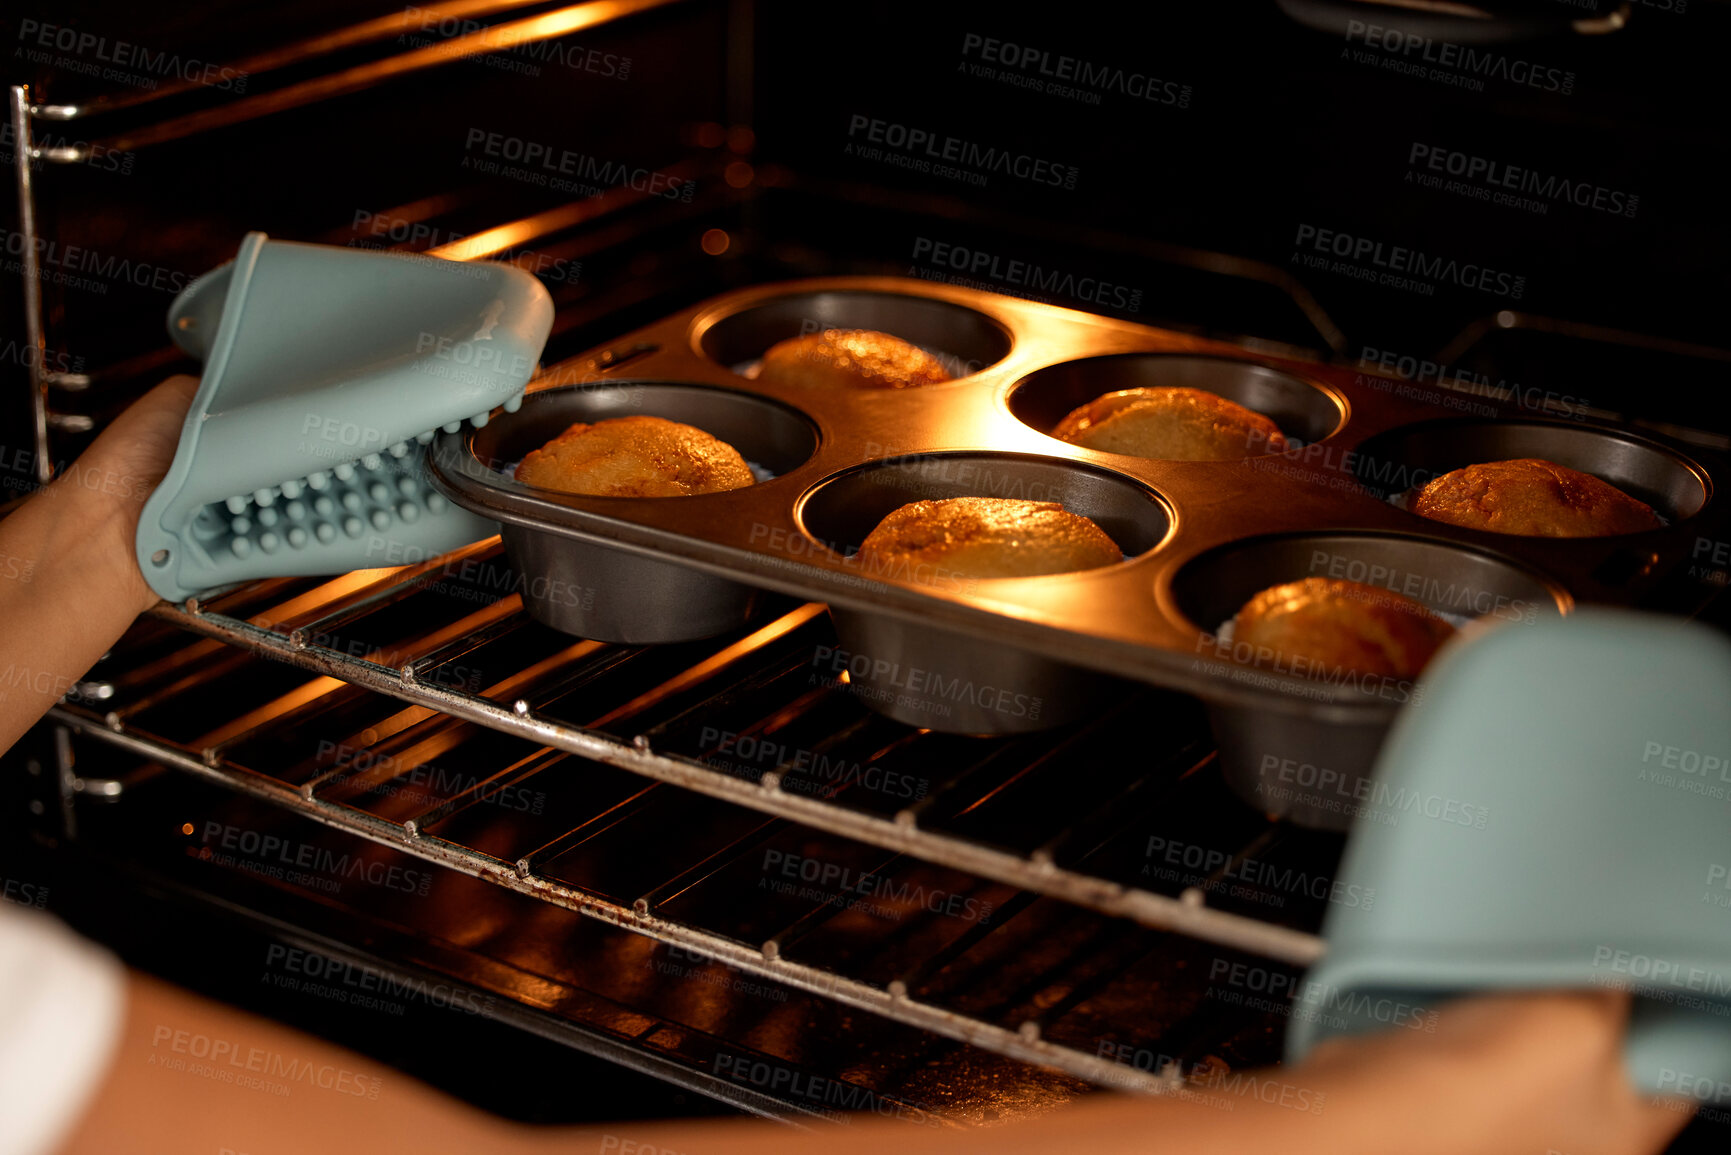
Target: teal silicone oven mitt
[
  {"x": 327, "y": 371},
  {"x": 1591, "y": 759}
]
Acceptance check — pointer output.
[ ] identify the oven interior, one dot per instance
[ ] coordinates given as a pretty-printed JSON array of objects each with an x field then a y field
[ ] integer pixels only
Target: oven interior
[{"x": 391, "y": 808}]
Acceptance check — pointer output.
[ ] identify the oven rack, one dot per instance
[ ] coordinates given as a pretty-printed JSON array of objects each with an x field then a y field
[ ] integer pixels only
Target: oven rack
[
  {"x": 1024, "y": 1044},
  {"x": 296, "y": 618}
]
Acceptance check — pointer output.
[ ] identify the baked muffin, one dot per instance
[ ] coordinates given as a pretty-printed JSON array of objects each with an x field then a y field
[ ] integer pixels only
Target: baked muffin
[
  {"x": 1533, "y": 498},
  {"x": 1171, "y": 424},
  {"x": 1336, "y": 624},
  {"x": 635, "y": 456},
  {"x": 850, "y": 359},
  {"x": 986, "y": 537}
]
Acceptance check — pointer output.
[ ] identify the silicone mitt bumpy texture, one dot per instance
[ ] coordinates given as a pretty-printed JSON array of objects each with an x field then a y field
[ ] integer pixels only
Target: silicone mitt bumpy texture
[{"x": 327, "y": 370}]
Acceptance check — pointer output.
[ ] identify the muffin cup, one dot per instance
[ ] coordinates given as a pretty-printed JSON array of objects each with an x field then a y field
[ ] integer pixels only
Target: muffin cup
[
  {"x": 1304, "y": 412},
  {"x": 1393, "y": 463},
  {"x": 964, "y": 340},
  {"x": 1299, "y": 765},
  {"x": 942, "y": 680},
  {"x": 589, "y": 588}
]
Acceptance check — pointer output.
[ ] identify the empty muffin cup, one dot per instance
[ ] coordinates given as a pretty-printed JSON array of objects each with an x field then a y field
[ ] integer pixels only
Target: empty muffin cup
[
  {"x": 963, "y": 340},
  {"x": 1295, "y": 763},
  {"x": 594, "y": 590},
  {"x": 944, "y": 680},
  {"x": 1303, "y": 411},
  {"x": 1394, "y": 463}
]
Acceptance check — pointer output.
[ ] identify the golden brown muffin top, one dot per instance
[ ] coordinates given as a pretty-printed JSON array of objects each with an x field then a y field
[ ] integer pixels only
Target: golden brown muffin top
[
  {"x": 985, "y": 537},
  {"x": 857, "y": 358},
  {"x": 1533, "y": 498},
  {"x": 1338, "y": 624},
  {"x": 636, "y": 456},
  {"x": 1172, "y": 424}
]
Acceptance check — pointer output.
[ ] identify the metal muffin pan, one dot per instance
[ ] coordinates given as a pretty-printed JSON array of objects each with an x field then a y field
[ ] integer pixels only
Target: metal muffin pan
[{"x": 792, "y": 534}]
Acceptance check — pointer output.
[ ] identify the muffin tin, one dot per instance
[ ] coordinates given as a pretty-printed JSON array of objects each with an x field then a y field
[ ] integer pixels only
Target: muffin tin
[{"x": 997, "y": 656}]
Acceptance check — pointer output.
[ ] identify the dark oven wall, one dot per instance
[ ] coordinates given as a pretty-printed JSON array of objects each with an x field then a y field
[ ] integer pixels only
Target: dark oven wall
[
  {"x": 337, "y": 148},
  {"x": 1210, "y": 165}
]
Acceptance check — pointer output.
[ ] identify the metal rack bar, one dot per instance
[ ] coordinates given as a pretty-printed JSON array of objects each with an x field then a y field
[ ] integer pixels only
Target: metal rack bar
[
  {"x": 24, "y": 153},
  {"x": 800, "y": 976},
  {"x": 299, "y": 52},
  {"x": 497, "y": 38},
  {"x": 1191, "y": 915}
]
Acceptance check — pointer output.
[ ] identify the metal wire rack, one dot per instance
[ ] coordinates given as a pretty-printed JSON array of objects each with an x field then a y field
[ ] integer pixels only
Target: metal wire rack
[{"x": 726, "y": 720}]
